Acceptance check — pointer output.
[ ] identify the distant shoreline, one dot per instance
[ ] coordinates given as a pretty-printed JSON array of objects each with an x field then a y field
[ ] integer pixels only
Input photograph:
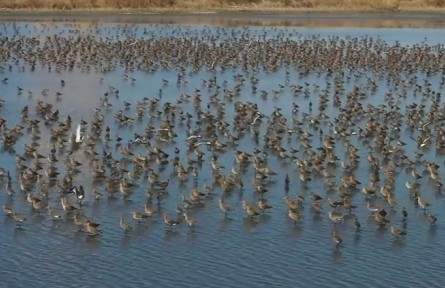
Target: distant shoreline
[
  {"x": 292, "y": 14},
  {"x": 387, "y": 19},
  {"x": 222, "y": 6}
]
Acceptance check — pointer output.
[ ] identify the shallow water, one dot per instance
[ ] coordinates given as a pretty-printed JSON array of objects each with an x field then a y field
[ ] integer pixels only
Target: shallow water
[{"x": 234, "y": 252}]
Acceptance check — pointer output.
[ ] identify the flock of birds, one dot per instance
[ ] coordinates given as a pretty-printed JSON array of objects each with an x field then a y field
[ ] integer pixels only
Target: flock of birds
[{"x": 215, "y": 121}]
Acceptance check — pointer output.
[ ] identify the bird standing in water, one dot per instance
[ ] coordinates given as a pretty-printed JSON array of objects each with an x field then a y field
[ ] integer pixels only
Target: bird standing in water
[{"x": 337, "y": 239}]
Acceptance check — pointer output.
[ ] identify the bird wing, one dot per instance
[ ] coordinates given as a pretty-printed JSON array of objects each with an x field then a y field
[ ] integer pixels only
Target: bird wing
[{"x": 78, "y": 136}]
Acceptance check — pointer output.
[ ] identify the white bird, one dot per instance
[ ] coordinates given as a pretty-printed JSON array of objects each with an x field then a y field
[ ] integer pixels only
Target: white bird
[
  {"x": 193, "y": 137},
  {"x": 79, "y": 136}
]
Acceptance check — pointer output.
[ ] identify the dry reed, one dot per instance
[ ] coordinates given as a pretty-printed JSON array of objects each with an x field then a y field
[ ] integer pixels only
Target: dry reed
[{"x": 202, "y": 5}]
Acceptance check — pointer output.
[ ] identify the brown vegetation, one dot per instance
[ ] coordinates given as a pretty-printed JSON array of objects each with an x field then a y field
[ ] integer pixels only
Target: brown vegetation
[{"x": 202, "y": 5}]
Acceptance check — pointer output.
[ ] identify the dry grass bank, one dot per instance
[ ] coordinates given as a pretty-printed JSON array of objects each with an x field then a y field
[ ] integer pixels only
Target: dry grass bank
[{"x": 232, "y": 5}]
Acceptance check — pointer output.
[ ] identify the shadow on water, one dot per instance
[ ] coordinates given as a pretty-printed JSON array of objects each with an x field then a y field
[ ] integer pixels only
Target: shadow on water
[
  {"x": 127, "y": 238},
  {"x": 337, "y": 255},
  {"x": 264, "y": 218},
  {"x": 192, "y": 235},
  {"x": 295, "y": 231},
  {"x": 432, "y": 231},
  {"x": 37, "y": 219},
  {"x": 92, "y": 242},
  {"x": 357, "y": 238},
  {"x": 398, "y": 244},
  {"x": 317, "y": 218},
  {"x": 8, "y": 221},
  {"x": 249, "y": 224},
  {"x": 171, "y": 234},
  {"x": 225, "y": 224},
  {"x": 19, "y": 232}
]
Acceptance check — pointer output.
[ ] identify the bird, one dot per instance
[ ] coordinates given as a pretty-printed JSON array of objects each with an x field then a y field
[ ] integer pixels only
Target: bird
[
  {"x": 317, "y": 206},
  {"x": 125, "y": 187},
  {"x": 9, "y": 188},
  {"x": 397, "y": 231},
  {"x": 294, "y": 216},
  {"x": 179, "y": 210},
  {"x": 19, "y": 219},
  {"x": 186, "y": 202},
  {"x": 124, "y": 225},
  {"x": 161, "y": 185},
  {"x": 250, "y": 210},
  {"x": 382, "y": 212},
  {"x": 286, "y": 181},
  {"x": 372, "y": 207},
  {"x": 79, "y": 193},
  {"x": 335, "y": 217},
  {"x": 357, "y": 224},
  {"x": 292, "y": 204},
  {"x": 7, "y": 209},
  {"x": 190, "y": 220},
  {"x": 422, "y": 203},
  {"x": 391, "y": 199},
  {"x": 315, "y": 197},
  {"x": 139, "y": 216},
  {"x": 404, "y": 214},
  {"x": 66, "y": 205},
  {"x": 79, "y": 137},
  {"x": 79, "y": 220},
  {"x": 335, "y": 204},
  {"x": 91, "y": 228},
  {"x": 149, "y": 210},
  {"x": 38, "y": 204},
  {"x": 55, "y": 215},
  {"x": 97, "y": 195},
  {"x": 262, "y": 205},
  {"x": 169, "y": 221},
  {"x": 226, "y": 208},
  {"x": 432, "y": 219},
  {"x": 347, "y": 204},
  {"x": 337, "y": 239},
  {"x": 379, "y": 219},
  {"x": 31, "y": 199},
  {"x": 369, "y": 192}
]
